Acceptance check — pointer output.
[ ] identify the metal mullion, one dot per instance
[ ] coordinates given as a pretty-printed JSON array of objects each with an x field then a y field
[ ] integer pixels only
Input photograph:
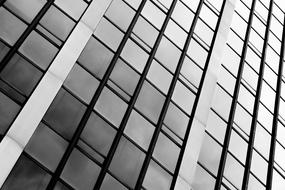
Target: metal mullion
[
  {"x": 256, "y": 102},
  {"x": 167, "y": 101},
  {"x": 275, "y": 115},
  {"x": 123, "y": 123},
  {"x": 2, "y": 2},
  {"x": 234, "y": 101},
  {"x": 25, "y": 34},
  {"x": 92, "y": 103},
  {"x": 179, "y": 161}
]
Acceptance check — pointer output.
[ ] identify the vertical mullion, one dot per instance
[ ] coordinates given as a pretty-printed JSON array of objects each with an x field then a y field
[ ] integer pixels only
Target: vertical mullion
[
  {"x": 256, "y": 101},
  {"x": 187, "y": 133},
  {"x": 25, "y": 34},
  {"x": 168, "y": 99},
  {"x": 88, "y": 112},
  {"x": 234, "y": 102},
  {"x": 275, "y": 115},
  {"x": 119, "y": 134}
]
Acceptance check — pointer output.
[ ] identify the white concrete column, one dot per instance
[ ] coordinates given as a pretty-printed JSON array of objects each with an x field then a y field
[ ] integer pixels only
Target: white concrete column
[
  {"x": 197, "y": 133},
  {"x": 33, "y": 111}
]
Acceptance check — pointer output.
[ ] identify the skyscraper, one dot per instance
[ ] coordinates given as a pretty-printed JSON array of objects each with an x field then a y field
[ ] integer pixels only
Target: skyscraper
[{"x": 142, "y": 94}]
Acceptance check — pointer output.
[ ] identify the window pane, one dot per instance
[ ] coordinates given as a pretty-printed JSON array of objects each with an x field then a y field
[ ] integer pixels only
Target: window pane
[
  {"x": 81, "y": 83},
  {"x": 183, "y": 97},
  {"x": 139, "y": 129},
  {"x": 98, "y": 134},
  {"x": 8, "y": 110},
  {"x": 57, "y": 23},
  {"x": 150, "y": 102},
  {"x": 21, "y": 74},
  {"x": 127, "y": 162},
  {"x": 203, "y": 180},
  {"x": 11, "y": 27},
  {"x": 27, "y": 9},
  {"x": 210, "y": 154},
  {"x": 156, "y": 177},
  {"x": 143, "y": 29},
  {"x": 95, "y": 57},
  {"x": 74, "y": 8},
  {"x": 166, "y": 152},
  {"x": 26, "y": 175},
  {"x": 159, "y": 76},
  {"x": 80, "y": 172},
  {"x": 46, "y": 146},
  {"x": 125, "y": 77},
  {"x": 109, "y": 34},
  {"x": 168, "y": 54},
  {"x": 38, "y": 49},
  {"x": 153, "y": 14},
  {"x": 110, "y": 183},
  {"x": 120, "y": 13},
  {"x": 111, "y": 106},
  {"x": 134, "y": 55},
  {"x": 64, "y": 114},
  {"x": 176, "y": 120}
]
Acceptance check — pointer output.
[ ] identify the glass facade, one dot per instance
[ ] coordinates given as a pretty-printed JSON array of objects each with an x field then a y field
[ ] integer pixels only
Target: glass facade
[{"x": 142, "y": 94}]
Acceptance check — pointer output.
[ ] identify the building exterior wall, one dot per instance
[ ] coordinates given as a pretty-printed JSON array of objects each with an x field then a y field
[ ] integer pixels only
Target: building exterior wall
[{"x": 142, "y": 94}]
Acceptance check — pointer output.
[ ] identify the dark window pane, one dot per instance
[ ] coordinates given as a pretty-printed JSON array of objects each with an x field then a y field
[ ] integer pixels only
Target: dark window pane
[
  {"x": 60, "y": 186},
  {"x": 65, "y": 113},
  {"x": 46, "y": 146},
  {"x": 98, "y": 134},
  {"x": 95, "y": 57},
  {"x": 8, "y": 110},
  {"x": 81, "y": 83},
  {"x": 26, "y": 175},
  {"x": 127, "y": 162},
  {"x": 11, "y": 92},
  {"x": 80, "y": 172},
  {"x": 21, "y": 74},
  {"x": 3, "y": 50}
]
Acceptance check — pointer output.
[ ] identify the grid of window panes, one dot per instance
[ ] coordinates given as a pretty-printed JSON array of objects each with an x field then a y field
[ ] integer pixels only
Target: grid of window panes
[
  {"x": 50, "y": 140},
  {"x": 212, "y": 146},
  {"x": 29, "y": 60}
]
